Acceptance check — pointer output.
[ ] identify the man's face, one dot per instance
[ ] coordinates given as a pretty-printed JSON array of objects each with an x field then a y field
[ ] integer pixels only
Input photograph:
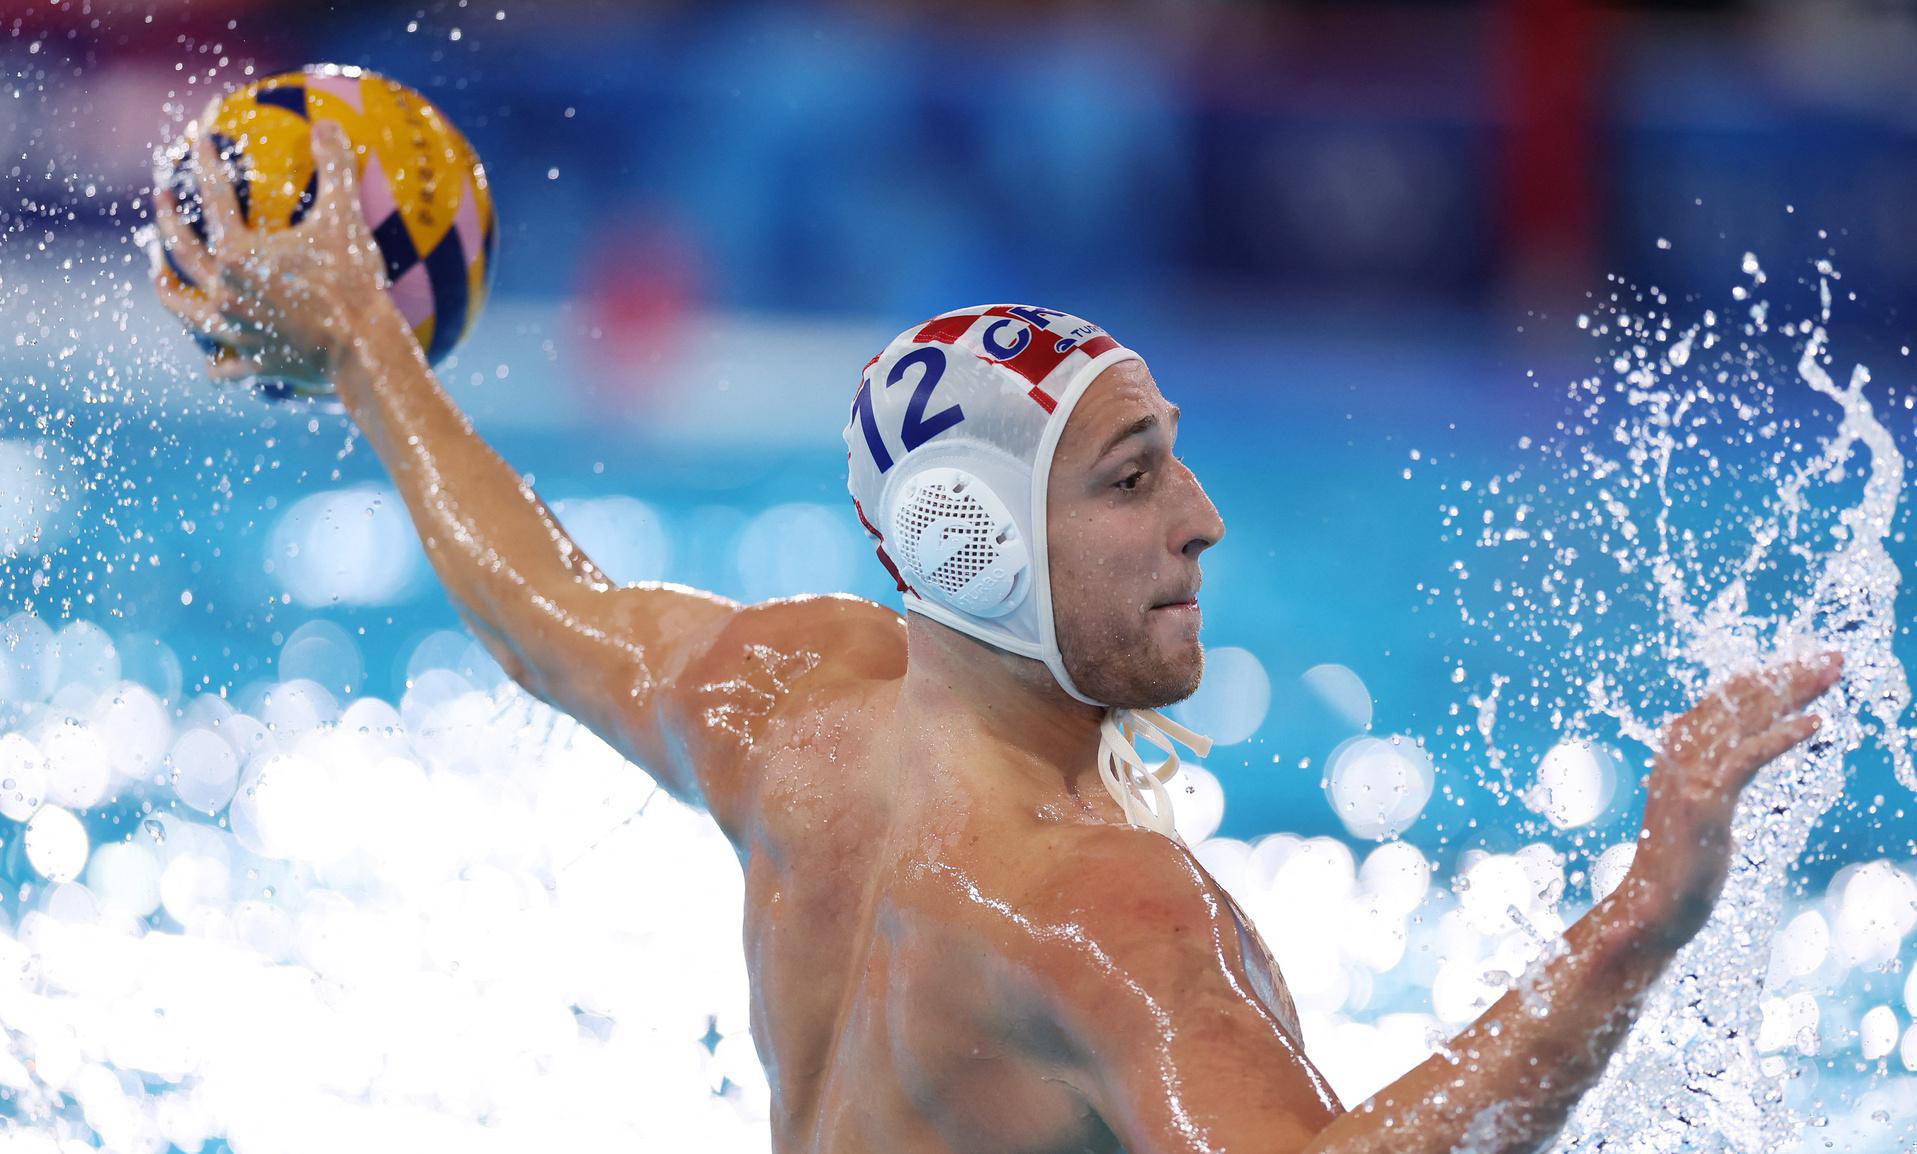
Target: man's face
[{"x": 1126, "y": 523}]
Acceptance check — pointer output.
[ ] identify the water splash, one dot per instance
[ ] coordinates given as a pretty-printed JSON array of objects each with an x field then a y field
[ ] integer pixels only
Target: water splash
[
  {"x": 417, "y": 924},
  {"x": 1696, "y": 461}
]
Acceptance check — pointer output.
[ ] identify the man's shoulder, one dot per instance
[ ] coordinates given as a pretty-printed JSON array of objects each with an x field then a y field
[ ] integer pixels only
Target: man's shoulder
[
  {"x": 854, "y": 634},
  {"x": 772, "y": 646},
  {"x": 1098, "y": 859},
  {"x": 765, "y": 665},
  {"x": 1131, "y": 889},
  {"x": 1087, "y": 901}
]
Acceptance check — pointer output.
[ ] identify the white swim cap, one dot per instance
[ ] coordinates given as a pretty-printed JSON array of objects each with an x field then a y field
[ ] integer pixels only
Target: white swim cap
[
  {"x": 948, "y": 450},
  {"x": 948, "y": 456}
]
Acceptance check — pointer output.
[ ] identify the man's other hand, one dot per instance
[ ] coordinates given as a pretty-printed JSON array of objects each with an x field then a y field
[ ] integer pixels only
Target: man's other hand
[{"x": 1709, "y": 755}]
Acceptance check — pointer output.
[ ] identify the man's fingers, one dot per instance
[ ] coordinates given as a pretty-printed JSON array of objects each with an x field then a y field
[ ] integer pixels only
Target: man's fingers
[
  {"x": 219, "y": 328},
  {"x": 1811, "y": 677},
  {"x": 1757, "y": 752},
  {"x": 177, "y": 239},
  {"x": 1749, "y": 705},
  {"x": 231, "y": 365},
  {"x": 1757, "y": 699},
  {"x": 336, "y": 165},
  {"x": 201, "y": 311},
  {"x": 219, "y": 203}
]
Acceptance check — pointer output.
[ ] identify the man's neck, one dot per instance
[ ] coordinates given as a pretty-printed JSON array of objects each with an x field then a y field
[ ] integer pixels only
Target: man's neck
[{"x": 957, "y": 680}]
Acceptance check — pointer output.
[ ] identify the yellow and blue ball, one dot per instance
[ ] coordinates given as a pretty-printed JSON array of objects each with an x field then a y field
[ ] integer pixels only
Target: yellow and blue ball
[{"x": 422, "y": 187}]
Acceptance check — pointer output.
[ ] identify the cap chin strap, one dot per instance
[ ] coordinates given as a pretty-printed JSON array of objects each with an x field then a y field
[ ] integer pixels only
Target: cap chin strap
[
  {"x": 1125, "y": 774},
  {"x": 1127, "y": 777}
]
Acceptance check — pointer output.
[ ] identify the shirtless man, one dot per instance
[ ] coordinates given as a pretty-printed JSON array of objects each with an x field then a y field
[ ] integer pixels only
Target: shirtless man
[{"x": 969, "y": 925}]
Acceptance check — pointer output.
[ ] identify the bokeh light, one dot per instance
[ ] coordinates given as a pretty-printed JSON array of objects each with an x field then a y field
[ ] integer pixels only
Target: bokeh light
[
  {"x": 795, "y": 548},
  {"x": 1340, "y": 688},
  {"x": 324, "y": 653},
  {"x": 1575, "y": 784},
  {"x": 624, "y": 536},
  {"x": 352, "y": 546},
  {"x": 1231, "y": 701},
  {"x": 1198, "y": 802},
  {"x": 1378, "y": 786},
  {"x": 56, "y": 843}
]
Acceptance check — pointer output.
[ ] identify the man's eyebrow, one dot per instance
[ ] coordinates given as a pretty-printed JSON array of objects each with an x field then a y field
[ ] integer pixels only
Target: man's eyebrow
[{"x": 1139, "y": 427}]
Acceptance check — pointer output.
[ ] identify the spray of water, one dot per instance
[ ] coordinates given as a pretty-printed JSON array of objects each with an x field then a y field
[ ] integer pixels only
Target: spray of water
[{"x": 1716, "y": 505}]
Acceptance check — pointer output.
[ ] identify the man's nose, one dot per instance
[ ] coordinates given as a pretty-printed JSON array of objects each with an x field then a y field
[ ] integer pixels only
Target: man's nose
[{"x": 1203, "y": 527}]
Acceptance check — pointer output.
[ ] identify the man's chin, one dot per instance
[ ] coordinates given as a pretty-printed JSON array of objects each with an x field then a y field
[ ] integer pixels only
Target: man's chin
[
  {"x": 1173, "y": 681},
  {"x": 1186, "y": 687},
  {"x": 1170, "y": 672},
  {"x": 1177, "y": 668}
]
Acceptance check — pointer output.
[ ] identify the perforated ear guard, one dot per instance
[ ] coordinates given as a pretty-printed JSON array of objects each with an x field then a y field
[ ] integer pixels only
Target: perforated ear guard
[{"x": 960, "y": 543}]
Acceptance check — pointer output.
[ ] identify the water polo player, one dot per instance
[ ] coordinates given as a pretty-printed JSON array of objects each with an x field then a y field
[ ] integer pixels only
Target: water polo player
[{"x": 970, "y": 923}]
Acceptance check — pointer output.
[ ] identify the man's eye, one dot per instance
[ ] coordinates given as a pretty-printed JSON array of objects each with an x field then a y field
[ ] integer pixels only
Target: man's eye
[{"x": 1131, "y": 482}]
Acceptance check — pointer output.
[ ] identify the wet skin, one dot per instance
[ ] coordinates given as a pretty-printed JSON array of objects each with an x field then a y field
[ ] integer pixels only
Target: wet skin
[{"x": 955, "y": 942}]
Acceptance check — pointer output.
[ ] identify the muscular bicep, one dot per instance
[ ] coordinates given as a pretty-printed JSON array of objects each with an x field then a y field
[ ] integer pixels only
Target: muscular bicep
[{"x": 1182, "y": 1054}]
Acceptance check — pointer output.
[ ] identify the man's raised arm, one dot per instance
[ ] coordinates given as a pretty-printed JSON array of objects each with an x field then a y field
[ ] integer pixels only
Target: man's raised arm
[
  {"x": 309, "y": 304},
  {"x": 1184, "y": 1059},
  {"x": 555, "y": 622}
]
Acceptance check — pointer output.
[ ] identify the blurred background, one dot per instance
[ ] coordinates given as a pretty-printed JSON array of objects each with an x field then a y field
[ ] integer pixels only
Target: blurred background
[
  {"x": 1354, "y": 237},
  {"x": 1352, "y": 240}
]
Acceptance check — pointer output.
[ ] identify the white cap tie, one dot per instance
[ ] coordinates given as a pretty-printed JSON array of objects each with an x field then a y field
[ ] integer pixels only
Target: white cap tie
[{"x": 1126, "y": 775}]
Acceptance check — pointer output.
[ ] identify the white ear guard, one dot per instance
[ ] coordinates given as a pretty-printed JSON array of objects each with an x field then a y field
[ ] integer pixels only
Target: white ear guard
[{"x": 959, "y": 544}]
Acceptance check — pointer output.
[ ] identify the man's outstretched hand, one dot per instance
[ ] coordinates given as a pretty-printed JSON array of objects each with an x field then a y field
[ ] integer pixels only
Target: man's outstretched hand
[
  {"x": 288, "y": 303},
  {"x": 1508, "y": 1083},
  {"x": 1710, "y": 754}
]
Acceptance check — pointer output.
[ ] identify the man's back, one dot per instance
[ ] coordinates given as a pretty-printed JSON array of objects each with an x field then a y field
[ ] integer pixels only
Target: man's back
[{"x": 911, "y": 990}]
